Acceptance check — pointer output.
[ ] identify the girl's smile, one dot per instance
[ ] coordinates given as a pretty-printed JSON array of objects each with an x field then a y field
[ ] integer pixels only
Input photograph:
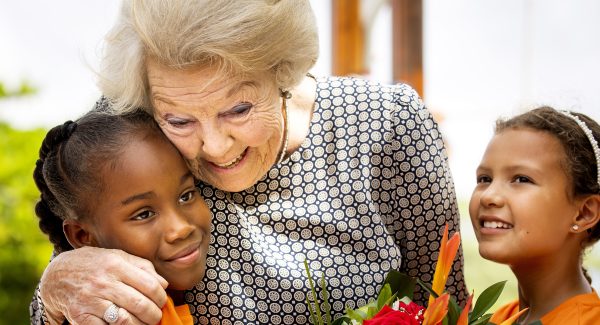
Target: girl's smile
[
  {"x": 149, "y": 207},
  {"x": 520, "y": 208}
]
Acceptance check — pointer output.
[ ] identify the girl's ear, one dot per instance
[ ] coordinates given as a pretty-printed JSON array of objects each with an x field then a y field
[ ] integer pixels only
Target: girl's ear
[
  {"x": 77, "y": 234},
  {"x": 589, "y": 213}
]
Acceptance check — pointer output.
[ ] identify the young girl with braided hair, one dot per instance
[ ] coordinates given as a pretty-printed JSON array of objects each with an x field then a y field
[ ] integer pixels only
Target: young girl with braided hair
[
  {"x": 116, "y": 182},
  {"x": 536, "y": 208}
]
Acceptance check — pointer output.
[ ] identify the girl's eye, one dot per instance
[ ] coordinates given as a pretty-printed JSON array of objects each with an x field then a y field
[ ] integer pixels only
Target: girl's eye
[
  {"x": 483, "y": 179},
  {"x": 522, "y": 179},
  {"x": 146, "y": 214},
  {"x": 240, "y": 109},
  {"x": 187, "y": 197}
]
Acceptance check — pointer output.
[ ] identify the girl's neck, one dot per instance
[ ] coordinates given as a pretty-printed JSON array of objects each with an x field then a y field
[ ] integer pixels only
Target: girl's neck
[
  {"x": 178, "y": 296},
  {"x": 545, "y": 284}
]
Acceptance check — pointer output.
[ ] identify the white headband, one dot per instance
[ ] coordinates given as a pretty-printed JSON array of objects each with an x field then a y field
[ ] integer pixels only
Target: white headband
[{"x": 590, "y": 136}]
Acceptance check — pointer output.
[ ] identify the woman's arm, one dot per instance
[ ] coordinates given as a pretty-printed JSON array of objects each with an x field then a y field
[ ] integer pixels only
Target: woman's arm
[
  {"x": 425, "y": 196},
  {"x": 79, "y": 285}
]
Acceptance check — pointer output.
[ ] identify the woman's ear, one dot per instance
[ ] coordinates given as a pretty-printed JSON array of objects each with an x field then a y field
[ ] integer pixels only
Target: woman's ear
[
  {"x": 589, "y": 213},
  {"x": 77, "y": 234}
]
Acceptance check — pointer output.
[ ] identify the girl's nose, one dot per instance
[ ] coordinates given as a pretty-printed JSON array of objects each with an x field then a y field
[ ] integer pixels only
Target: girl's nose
[
  {"x": 178, "y": 227},
  {"x": 492, "y": 196}
]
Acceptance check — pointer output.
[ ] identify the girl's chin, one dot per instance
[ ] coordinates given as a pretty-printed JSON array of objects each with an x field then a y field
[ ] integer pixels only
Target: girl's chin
[{"x": 497, "y": 257}]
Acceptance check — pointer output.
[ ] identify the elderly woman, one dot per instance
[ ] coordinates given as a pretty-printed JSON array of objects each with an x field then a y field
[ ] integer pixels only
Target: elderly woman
[{"x": 348, "y": 174}]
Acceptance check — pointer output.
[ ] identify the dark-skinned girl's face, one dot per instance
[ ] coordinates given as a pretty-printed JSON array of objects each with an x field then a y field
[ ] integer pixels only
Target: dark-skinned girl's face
[{"x": 149, "y": 206}]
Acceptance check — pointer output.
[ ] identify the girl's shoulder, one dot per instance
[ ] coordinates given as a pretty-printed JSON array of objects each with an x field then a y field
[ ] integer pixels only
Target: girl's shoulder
[{"x": 581, "y": 310}]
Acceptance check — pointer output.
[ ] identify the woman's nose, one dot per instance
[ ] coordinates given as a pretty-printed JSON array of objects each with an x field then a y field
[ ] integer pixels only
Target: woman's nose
[
  {"x": 177, "y": 227},
  {"x": 215, "y": 141}
]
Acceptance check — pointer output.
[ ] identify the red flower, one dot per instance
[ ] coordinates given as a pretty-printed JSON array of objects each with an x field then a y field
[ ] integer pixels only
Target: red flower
[
  {"x": 389, "y": 316},
  {"x": 414, "y": 310}
]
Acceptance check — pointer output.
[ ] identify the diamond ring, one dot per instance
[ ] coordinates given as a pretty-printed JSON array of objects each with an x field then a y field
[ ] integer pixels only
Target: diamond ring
[{"x": 111, "y": 315}]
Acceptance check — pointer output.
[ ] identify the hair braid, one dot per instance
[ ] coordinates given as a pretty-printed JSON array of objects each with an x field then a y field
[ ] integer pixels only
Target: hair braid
[{"x": 49, "y": 221}]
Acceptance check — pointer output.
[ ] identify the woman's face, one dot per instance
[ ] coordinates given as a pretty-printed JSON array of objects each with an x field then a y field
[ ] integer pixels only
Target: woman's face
[{"x": 228, "y": 129}]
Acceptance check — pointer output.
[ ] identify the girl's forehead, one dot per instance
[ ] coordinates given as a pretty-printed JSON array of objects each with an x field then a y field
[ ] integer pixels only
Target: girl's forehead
[{"x": 525, "y": 145}]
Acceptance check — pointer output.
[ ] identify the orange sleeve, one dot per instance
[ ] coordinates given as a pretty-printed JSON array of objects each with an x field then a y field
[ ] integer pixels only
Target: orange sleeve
[
  {"x": 175, "y": 315},
  {"x": 580, "y": 310}
]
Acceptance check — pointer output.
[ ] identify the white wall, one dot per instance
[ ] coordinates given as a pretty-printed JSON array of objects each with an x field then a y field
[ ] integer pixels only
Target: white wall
[
  {"x": 482, "y": 59},
  {"x": 489, "y": 58}
]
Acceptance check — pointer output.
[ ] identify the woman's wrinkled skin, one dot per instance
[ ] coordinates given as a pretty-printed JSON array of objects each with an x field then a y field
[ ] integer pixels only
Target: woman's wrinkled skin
[{"x": 229, "y": 130}]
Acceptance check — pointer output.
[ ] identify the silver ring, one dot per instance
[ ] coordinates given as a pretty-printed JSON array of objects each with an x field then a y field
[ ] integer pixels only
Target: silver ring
[{"x": 111, "y": 315}]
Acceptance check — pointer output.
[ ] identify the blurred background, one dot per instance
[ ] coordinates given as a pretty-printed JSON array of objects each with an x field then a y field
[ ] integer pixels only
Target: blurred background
[{"x": 472, "y": 61}]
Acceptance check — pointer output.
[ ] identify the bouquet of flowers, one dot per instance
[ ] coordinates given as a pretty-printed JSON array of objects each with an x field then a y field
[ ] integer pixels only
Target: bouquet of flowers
[{"x": 394, "y": 305}]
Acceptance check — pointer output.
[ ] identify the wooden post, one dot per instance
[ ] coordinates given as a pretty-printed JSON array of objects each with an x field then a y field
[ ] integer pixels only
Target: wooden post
[
  {"x": 348, "y": 54},
  {"x": 407, "y": 17}
]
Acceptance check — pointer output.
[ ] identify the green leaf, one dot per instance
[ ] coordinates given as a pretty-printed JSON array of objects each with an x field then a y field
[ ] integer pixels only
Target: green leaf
[
  {"x": 384, "y": 295},
  {"x": 342, "y": 321},
  {"x": 326, "y": 300},
  {"x": 401, "y": 284},
  {"x": 26, "y": 89},
  {"x": 486, "y": 300},
  {"x": 537, "y": 322},
  {"x": 316, "y": 318},
  {"x": 311, "y": 311},
  {"x": 483, "y": 320},
  {"x": 356, "y": 315},
  {"x": 453, "y": 311},
  {"x": 428, "y": 288}
]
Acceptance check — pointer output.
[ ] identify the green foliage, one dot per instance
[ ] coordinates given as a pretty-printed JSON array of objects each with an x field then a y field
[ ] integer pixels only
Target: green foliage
[
  {"x": 25, "y": 249},
  {"x": 486, "y": 300},
  {"x": 24, "y": 89}
]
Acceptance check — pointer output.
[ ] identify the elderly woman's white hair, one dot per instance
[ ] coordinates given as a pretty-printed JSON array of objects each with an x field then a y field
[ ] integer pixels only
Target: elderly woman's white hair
[{"x": 240, "y": 37}]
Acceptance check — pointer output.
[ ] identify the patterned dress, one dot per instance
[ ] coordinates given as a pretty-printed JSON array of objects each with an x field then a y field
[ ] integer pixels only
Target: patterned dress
[{"x": 368, "y": 191}]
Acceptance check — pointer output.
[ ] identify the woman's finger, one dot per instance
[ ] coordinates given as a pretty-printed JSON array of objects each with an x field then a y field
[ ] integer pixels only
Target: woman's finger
[
  {"x": 136, "y": 304},
  {"x": 81, "y": 284}
]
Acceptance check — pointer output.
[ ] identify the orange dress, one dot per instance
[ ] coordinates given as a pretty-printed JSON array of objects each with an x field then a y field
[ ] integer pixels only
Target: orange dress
[
  {"x": 175, "y": 315},
  {"x": 579, "y": 310}
]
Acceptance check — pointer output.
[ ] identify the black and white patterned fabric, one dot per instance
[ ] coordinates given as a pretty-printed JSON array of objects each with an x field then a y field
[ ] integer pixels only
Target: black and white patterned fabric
[{"x": 368, "y": 191}]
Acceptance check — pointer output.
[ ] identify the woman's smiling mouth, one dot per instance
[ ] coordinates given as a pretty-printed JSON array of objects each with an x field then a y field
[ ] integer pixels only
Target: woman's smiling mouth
[{"x": 232, "y": 163}]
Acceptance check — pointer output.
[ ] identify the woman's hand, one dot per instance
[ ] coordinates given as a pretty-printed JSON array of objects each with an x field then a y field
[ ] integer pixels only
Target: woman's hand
[{"x": 81, "y": 284}]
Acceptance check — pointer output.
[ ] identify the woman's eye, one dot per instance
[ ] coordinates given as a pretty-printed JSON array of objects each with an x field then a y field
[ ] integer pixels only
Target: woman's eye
[
  {"x": 187, "y": 197},
  {"x": 240, "y": 109},
  {"x": 178, "y": 123},
  {"x": 144, "y": 215},
  {"x": 484, "y": 179}
]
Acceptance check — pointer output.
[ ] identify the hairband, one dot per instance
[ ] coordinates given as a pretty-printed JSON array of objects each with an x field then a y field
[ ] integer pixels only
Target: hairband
[{"x": 590, "y": 136}]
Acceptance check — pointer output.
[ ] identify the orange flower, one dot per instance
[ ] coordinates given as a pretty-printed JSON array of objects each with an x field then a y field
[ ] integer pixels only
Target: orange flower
[
  {"x": 448, "y": 249},
  {"x": 463, "y": 319},
  {"x": 437, "y": 310},
  {"x": 513, "y": 318}
]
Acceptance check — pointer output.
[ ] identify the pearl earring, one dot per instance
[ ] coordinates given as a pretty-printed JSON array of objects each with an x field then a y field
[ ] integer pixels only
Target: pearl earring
[{"x": 575, "y": 227}]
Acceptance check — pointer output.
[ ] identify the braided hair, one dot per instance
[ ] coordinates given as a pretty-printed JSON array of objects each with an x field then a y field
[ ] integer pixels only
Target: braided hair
[
  {"x": 70, "y": 159},
  {"x": 579, "y": 162}
]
